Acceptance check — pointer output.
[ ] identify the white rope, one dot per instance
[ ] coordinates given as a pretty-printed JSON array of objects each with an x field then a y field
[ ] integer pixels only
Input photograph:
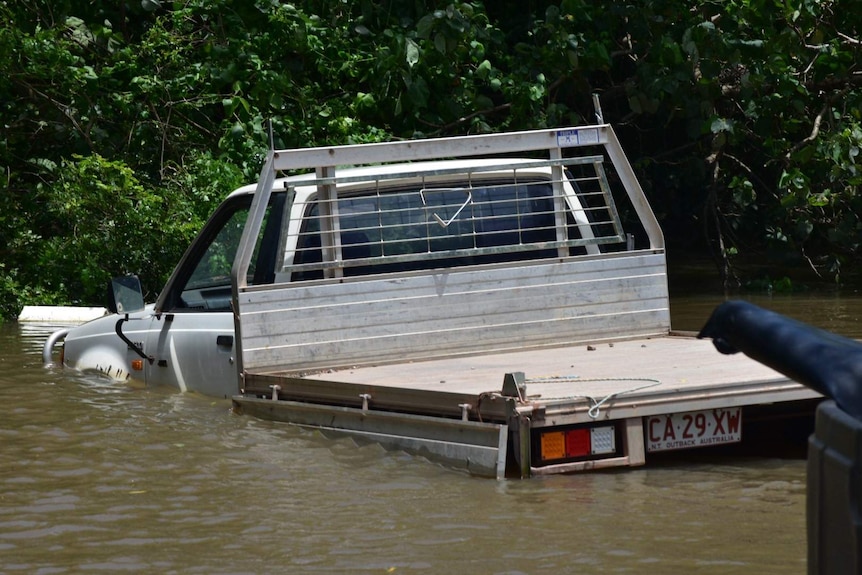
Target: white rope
[{"x": 595, "y": 408}]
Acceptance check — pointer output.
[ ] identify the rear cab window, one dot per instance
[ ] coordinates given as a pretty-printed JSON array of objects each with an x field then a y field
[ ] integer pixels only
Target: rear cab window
[{"x": 433, "y": 223}]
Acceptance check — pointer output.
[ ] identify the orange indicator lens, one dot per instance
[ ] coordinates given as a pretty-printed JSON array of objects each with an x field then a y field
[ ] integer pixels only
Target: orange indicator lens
[
  {"x": 137, "y": 364},
  {"x": 553, "y": 445}
]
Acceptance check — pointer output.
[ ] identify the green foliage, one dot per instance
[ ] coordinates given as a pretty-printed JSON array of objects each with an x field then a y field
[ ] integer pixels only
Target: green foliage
[
  {"x": 784, "y": 99},
  {"x": 93, "y": 204},
  {"x": 782, "y": 285},
  {"x": 125, "y": 123}
]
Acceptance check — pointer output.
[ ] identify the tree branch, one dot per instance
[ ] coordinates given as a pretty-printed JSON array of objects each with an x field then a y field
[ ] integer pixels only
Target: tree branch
[
  {"x": 849, "y": 39},
  {"x": 65, "y": 110},
  {"x": 446, "y": 127},
  {"x": 815, "y": 131}
]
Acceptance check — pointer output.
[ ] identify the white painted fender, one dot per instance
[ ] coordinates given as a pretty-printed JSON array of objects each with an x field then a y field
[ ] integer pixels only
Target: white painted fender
[{"x": 95, "y": 346}]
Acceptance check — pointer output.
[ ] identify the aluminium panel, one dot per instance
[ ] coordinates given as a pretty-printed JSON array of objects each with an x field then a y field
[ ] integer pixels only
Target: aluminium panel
[
  {"x": 478, "y": 447},
  {"x": 457, "y": 312}
]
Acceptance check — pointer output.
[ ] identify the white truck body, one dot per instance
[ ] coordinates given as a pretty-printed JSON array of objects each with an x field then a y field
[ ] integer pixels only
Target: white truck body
[{"x": 415, "y": 257}]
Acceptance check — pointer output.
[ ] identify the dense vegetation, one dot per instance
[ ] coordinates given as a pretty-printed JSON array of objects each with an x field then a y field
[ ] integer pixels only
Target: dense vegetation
[{"x": 124, "y": 123}]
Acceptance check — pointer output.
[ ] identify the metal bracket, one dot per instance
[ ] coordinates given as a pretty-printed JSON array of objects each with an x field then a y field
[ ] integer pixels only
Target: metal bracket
[
  {"x": 365, "y": 398},
  {"x": 514, "y": 385}
]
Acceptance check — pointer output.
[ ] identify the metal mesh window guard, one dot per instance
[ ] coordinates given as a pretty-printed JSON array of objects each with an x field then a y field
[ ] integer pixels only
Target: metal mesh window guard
[{"x": 456, "y": 217}]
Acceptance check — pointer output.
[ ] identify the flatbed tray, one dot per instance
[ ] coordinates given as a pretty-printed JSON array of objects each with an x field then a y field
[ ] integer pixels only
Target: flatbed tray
[{"x": 609, "y": 379}]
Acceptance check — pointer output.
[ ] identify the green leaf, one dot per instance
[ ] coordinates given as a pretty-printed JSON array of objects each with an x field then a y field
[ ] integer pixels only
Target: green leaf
[
  {"x": 440, "y": 42},
  {"x": 721, "y": 125},
  {"x": 412, "y": 56},
  {"x": 425, "y": 25}
]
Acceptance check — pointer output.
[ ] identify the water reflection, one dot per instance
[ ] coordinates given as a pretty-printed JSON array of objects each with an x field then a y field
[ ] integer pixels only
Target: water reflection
[
  {"x": 98, "y": 476},
  {"x": 839, "y": 313}
]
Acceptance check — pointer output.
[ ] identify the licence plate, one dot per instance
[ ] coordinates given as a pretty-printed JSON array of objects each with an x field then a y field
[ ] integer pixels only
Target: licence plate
[{"x": 693, "y": 429}]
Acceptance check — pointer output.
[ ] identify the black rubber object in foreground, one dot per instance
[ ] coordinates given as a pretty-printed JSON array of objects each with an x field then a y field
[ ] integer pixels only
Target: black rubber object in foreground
[{"x": 827, "y": 363}]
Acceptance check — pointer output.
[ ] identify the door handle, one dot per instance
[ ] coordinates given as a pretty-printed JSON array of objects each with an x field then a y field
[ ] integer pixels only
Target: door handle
[{"x": 224, "y": 340}]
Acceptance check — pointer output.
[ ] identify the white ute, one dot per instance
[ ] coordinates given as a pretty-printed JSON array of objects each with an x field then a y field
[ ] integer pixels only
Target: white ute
[{"x": 476, "y": 299}]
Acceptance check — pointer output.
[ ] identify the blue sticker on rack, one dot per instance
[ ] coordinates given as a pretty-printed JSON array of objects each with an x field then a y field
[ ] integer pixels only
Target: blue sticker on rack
[
  {"x": 567, "y": 138},
  {"x": 579, "y": 137}
]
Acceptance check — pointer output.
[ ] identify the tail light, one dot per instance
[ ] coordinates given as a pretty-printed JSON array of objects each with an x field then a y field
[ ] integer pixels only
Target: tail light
[{"x": 555, "y": 445}]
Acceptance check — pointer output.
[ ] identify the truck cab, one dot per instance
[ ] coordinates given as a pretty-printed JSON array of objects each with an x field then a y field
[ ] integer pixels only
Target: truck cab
[{"x": 354, "y": 222}]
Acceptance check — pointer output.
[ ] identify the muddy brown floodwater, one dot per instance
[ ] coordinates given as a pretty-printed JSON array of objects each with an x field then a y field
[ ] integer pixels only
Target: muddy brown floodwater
[{"x": 101, "y": 477}]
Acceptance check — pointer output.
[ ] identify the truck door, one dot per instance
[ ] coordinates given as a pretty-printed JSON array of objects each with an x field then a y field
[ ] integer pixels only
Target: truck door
[{"x": 192, "y": 332}]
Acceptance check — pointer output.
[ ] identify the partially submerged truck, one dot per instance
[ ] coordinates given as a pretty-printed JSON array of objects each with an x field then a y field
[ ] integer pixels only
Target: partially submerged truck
[{"x": 497, "y": 301}]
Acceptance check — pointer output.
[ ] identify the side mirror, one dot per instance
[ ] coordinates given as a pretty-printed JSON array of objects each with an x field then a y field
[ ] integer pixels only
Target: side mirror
[{"x": 125, "y": 295}]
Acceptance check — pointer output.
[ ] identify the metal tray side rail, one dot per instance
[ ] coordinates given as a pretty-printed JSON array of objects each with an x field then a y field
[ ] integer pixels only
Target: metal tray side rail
[{"x": 480, "y": 448}]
